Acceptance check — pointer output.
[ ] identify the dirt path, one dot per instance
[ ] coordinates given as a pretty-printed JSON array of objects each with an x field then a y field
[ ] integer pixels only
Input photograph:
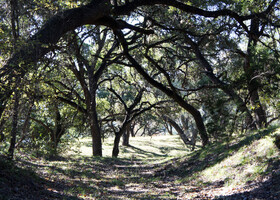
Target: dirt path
[{"x": 104, "y": 178}]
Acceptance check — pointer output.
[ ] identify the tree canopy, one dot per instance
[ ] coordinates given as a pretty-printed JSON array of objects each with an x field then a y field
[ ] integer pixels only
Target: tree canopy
[{"x": 206, "y": 69}]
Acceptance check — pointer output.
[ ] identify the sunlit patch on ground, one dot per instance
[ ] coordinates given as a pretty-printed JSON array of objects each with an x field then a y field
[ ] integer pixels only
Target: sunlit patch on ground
[{"x": 156, "y": 148}]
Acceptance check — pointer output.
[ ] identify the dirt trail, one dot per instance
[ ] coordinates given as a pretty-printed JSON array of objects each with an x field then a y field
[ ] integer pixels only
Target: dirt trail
[{"x": 104, "y": 178}]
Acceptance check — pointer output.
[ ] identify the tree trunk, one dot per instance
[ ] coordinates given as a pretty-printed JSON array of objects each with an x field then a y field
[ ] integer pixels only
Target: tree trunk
[
  {"x": 241, "y": 105},
  {"x": 198, "y": 121},
  {"x": 15, "y": 32},
  {"x": 2, "y": 123},
  {"x": 126, "y": 136},
  {"x": 174, "y": 95},
  {"x": 116, "y": 145},
  {"x": 252, "y": 83},
  {"x": 58, "y": 131},
  {"x": 185, "y": 123},
  {"x": 94, "y": 126},
  {"x": 133, "y": 131},
  {"x": 2, "y": 137},
  {"x": 14, "y": 125},
  {"x": 260, "y": 115},
  {"x": 119, "y": 134},
  {"x": 95, "y": 135},
  {"x": 181, "y": 133},
  {"x": 2, "y": 108},
  {"x": 91, "y": 105},
  {"x": 168, "y": 128},
  {"x": 26, "y": 124},
  {"x": 193, "y": 137}
]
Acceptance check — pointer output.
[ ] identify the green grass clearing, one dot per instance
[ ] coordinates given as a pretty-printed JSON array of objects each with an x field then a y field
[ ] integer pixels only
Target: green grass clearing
[{"x": 145, "y": 149}]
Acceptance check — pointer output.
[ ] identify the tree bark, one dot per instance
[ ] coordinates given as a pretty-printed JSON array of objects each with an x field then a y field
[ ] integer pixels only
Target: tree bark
[
  {"x": 94, "y": 128},
  {"x": 126, "y": 135},
  {"x": 118, "y": 136},
  {"x": 241, "y": 105},
  {"x": 96, "y": 139},
  {"x": 168, "y": 128},
  {"x": 260, "y": 115},
  {"x": 116, "y": 145},
  {"x": 185, "y": 122},
  {"x": 180, "y": 131},
  {"x": 58, "y": 131},
  {"x": 170, "y": 93},
  {"x": 2, "y": 123},
  {"x": 14, "y": 125},
  {"x": 26, "y": 124},
  {"x": 252, "y": 84},
  {"x": 15, "y": 32},
  {"x": 132, "y": 131},
  {"x": 193, "y": 137}
]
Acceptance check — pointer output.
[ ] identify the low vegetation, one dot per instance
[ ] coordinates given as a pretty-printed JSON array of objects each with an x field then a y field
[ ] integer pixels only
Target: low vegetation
[{"x": 151, "y": 168}]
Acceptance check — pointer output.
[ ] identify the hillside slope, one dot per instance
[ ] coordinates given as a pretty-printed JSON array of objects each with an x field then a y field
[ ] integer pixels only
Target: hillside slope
[{"x": 249, "y": 167}]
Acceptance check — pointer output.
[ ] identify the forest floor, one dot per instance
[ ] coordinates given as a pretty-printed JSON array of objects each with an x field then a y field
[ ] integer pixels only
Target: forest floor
[{"x": 152, "y": 168}]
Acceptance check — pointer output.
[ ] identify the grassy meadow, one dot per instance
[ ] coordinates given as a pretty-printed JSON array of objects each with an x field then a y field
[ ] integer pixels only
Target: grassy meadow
[{"x": 147, "y": 149}]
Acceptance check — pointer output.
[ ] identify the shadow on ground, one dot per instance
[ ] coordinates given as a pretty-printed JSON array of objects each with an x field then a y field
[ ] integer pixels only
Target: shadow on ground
[{"x": 23, "y": 184}]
